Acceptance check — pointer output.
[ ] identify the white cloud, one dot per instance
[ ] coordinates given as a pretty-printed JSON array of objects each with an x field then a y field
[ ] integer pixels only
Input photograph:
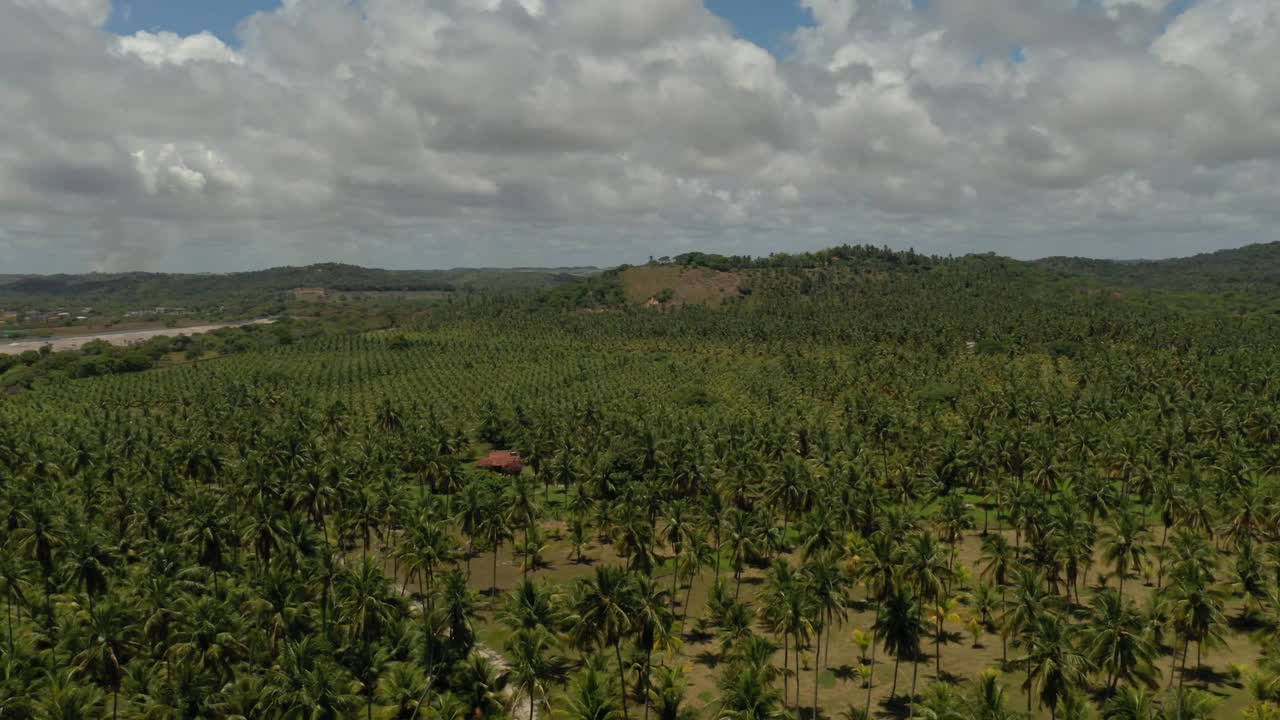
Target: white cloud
[
  {"x": 551, "y": 131},
  {"x": 167, "y": 47}
]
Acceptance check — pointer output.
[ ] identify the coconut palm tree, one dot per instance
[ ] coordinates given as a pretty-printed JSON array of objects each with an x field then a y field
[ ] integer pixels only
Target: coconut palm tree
[
  {"x": 877, "y": 568},
  {"x": 1118, "y": 641},
  {"x": 678, "y": 531},
  {"x": 1124, "y": 545},
  {"x": 402, "y": 690},
  {"x": 531, "y": 605},
  {"x": 495, "y": 529},
  {"x": 111, "y": 644},
  {"x": 930, "y": 569},
  {"x": 828, "y": 590},
  {"x": 604, "y": 607},
  {"x": 988, "y": 700},
  {"x": 1131, "y": 703},
  {"x": 696, "y": 554},
  {"x": 65, "y": 699},
  {"x": 900, "y": 624},
  {"x": 747, "y": 693},
  {"x": 667, "y": 694},
  {"x": 479, "y": 684},
  {"x": 367, "y": 602},
  {"x": 999, "y": 558},
  {"x": 87, "y": 561},
  {"x": 744, "y": 539},
  {"x": 13, "y": 585},
  {"x": 1197, "y": 609},
  {"x": 654, "y": 623},
  {"x": 591, "y": 697},
  {"x": 306, "y": 684},
  {"x": 535, "y": 667},
  {"x": 785, "y": 609},
  {"x": 1053, "y": 662},
  {"x": 457, "y": 611},
  {"x": 1029, "y": 602}
]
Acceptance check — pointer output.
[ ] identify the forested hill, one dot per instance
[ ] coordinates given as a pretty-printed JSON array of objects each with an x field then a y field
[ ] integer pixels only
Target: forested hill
[
  {"x": 1241, "y": 280},
  {"x": 205, "y": 290},
  {"x": 1253, "y": 268}
]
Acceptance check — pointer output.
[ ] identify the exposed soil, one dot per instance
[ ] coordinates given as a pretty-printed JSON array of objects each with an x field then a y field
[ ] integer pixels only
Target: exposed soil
[
  {"x": 696, "y": 286},
  {"x": 838, "y": 683},
  {"x": 114, "y": 336}
]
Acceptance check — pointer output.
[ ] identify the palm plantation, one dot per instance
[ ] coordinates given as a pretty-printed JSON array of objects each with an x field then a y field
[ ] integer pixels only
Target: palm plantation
[{"x": 774, "y": 506}]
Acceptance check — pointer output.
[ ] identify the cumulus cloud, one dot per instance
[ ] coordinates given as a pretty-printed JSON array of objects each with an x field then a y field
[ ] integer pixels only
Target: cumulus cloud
[
  {"x": 167, "y": 47},
  {"x": 452, "y": 132}
]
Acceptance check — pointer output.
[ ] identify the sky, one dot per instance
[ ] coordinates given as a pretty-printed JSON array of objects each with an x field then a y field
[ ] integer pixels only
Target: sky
[
  {"x": 239, "y": 134},
  {"x": 767, "y": 23}
]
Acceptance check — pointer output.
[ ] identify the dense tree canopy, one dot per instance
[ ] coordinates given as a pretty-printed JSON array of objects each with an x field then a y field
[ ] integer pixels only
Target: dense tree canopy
[{"x": 854, "y": 461}]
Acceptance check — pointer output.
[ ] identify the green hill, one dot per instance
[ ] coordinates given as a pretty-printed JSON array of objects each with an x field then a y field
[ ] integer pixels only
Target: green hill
[
  {"x": 1250, "y": 269},
  {"x": 204, "y": 291},
  {"x": 1240, "y": 280}
]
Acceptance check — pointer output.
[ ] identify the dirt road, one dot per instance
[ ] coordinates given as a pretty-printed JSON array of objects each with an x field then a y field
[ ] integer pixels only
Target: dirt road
[{"x": 127, "y": 337}]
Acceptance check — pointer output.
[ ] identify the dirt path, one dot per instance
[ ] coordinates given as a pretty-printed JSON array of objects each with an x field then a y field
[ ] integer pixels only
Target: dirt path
[
  {"x": 127, "y": 337},
  {"x": 517, "y": 700}
]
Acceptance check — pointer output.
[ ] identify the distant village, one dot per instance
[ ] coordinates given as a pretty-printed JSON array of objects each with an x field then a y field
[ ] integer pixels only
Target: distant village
[
  {"x": 64, "y": 316},
  {"x": 43, "y": 317}
]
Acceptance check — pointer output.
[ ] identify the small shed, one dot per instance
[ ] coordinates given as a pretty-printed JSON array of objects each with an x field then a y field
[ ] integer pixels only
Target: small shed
[{"x": 502, "y": 461}]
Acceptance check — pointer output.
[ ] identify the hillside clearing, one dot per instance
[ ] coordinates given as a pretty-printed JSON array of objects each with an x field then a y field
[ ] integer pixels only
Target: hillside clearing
[{"x": 688, "y": 286}]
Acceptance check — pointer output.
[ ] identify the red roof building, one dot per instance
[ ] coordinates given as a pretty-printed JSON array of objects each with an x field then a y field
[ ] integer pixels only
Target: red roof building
[{"x": 501, "y": 461}]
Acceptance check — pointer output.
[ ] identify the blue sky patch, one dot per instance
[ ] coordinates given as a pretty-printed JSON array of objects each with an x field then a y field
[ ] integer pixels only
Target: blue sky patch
[
  {"x": 185, "y": 17},
  {"x": 766, "y": 23}
]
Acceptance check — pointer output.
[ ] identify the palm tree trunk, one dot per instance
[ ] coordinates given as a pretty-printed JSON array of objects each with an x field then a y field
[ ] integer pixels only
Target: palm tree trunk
[
  {"x": 1160, "y": 573},
  {"x": 675, "y": 580},
  {"x": 1004, "y": 636},
  {"x": 893, "y": 692},
  {"x": 324, "y": 608},
  {"x": 524, "y": 564},
  {"x": 817, "y": 666},
  {"x": 494, "y": 588},
  {"x": 871, "y": 679},
  {"x": 786, "y": 663},
  {"x": 644, "y": 685},
  {"x": 797, "y": 673},
  {"x": 622, "y": 678},
  {"x": 937, "y": 645},
  {"x": 428, "y": 636},
  {"x": 1183, "y": 675},
  {"x": 719, "y": 547},
  {"x": 915, "y": 674},
  {"x": 688, "y": 595},
  {"x": 826, "y": 651}
]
